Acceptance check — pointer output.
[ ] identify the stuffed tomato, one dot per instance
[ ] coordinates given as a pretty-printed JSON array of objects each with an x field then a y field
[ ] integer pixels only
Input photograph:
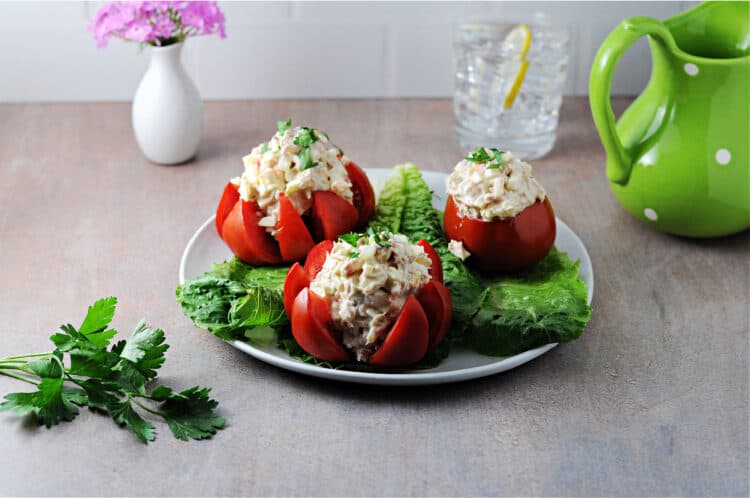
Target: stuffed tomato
[
  {"x": 374, "y": 299},
  {"x": 297, "y": 189},
  {"x": 497, "y": 214}
]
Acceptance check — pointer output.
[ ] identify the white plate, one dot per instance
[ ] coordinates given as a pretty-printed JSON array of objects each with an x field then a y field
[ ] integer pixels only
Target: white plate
[{"x": 205, "y": 248}]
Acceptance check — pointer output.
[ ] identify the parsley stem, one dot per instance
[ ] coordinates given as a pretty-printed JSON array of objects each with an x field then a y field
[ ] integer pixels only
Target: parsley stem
[
  {"x": 6, "y": 372},
  {"x": 21, "y": 356},
  {"x": 10, "y": 362},
  {"x": 150, "y": 410}
]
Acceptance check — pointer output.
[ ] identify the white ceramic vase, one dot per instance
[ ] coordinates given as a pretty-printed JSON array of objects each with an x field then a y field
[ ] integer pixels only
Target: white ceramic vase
[{"x": 167, "y": 109}]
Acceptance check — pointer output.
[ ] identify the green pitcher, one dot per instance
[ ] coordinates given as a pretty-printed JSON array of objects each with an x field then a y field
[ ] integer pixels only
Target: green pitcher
[{"x": 678, "y": 158}]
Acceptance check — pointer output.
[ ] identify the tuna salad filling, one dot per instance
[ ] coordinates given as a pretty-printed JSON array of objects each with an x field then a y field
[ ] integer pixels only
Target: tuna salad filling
[
  {"x": 296, "y": 161},
  {"x": 366, "y": 281},
  {"x": 492, "y": 184}
]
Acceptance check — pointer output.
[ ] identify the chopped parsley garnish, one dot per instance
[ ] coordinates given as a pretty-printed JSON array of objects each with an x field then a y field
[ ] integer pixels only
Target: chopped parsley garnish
[
  {"x": 350, "y": 238},
  {"x": 305, "y": 162},
  {"x": 382, "y": 239},
  {"x": 264, "y": 147},
  {"x": 482, "y": 155},
  {"x": 284, "y": 125},
  {"x": 305, "y": 137},
  {"x": 341, "y": 152},
  {"x": 354, "y": 254},
  {"x": 321, "y": 132}
]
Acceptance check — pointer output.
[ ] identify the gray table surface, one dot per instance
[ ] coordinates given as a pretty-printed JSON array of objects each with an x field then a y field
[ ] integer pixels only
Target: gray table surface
[{"x": 652, "y": 400}]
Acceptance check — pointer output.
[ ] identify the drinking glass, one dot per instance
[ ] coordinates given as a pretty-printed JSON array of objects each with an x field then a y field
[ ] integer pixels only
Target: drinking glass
[{"x": 488, "y": 58}]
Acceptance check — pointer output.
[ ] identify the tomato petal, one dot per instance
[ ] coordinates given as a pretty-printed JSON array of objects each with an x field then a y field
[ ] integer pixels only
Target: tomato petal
[
  {"x": 505, "y": 245},
  {"x": 229, "y": 198},
  {"x": 262, "y": 243},
  {"x": 407, "y": 341},
  {"x": 435, "y": 299},
  {"x": 332, "y": 215},
  {"x": 310, "y": 329},
  {"x": 295, "y": 281},
  {"x": 436, "y": 268},
  {"x": 293, "y": 236},
  {"x": 364, "y": 195},
  {"x": 233, "y": 233},
  {"x": 316, "y": 257}
]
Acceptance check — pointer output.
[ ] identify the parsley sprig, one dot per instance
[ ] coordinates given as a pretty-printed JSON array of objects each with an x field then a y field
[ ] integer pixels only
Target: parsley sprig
[
  {"x": 485, "y": 155},
  {"x": 282, "y": 126},
  {"x": 382, "y": 239},
  {"x": 84, "y": 370}
]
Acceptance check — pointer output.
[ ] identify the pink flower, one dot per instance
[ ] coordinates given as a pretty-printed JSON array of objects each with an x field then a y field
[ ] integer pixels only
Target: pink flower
[
  {"x": 140, "y": 30},
  {"x": 163, "y": 28},
  {"x": 156, "y": 23}
]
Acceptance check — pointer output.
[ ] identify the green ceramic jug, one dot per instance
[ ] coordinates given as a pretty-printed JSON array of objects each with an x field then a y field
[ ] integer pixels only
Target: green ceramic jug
[{"x": 679, "y": 158}]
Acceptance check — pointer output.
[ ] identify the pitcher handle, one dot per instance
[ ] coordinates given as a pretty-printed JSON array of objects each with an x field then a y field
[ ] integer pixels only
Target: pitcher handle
[{"x": 600, "y": 86}]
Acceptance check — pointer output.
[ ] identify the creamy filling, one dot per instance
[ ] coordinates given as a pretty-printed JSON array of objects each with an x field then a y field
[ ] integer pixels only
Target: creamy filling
[
  {"x": 296, "y": 161},
  {"x": 493, "y": 185},
  {"x": 458, "y": 249},
  {"x": 366, "y": 282}
]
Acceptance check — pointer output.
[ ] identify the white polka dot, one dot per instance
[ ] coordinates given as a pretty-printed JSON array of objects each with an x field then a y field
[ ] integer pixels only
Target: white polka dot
[
  {"x": 650, "y": 214},
  {"x": 691, "y": 69},
  {"x": 723, "y": 156}
]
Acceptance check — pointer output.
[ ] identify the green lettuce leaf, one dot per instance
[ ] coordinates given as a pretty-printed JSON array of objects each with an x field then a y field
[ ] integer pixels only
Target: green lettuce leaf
[
  {"x": 233, "y": 298},
  {"x": 523, "y": 311}
]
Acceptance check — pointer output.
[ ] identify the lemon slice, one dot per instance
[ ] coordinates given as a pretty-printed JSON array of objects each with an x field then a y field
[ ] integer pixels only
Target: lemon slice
[{"x": 520, "y": 37}]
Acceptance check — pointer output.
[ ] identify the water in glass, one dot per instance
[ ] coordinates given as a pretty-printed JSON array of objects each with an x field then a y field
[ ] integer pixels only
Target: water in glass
[{"x": 488, "y": 62}]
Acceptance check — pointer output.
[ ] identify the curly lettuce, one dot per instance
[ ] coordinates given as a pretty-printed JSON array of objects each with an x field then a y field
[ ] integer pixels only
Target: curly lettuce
[{"x": 234, "y": 300}]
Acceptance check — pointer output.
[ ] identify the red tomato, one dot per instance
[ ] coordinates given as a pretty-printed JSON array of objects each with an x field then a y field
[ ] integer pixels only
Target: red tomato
[
  {"x": 316, "y": 257},
  {"x": 228, "y": 199},
  {"x": 236, "y": 237},
  {"x": 505, "y": 245},
  {"x": 422, "y": 324},
  {"x": 436, "y": 268},
  {"x": 435, "y": 299},
  {"x": 294, "y": 238},
  {"x": 295, "y": 281},
  {"x": 330, "y": 217},
  {"x": 407, "y": 341},
  {"x": 364, "y": 195},
  {"x": 310, "y": 330}
]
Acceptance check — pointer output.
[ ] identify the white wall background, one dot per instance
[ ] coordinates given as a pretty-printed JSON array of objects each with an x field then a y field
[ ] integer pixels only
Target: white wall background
[{"x": 296, "y": 49}]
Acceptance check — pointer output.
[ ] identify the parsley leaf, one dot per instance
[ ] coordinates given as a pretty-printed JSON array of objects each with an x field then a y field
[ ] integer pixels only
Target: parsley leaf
[
  {"x": 305, "y": 162},
  {"x": 284, "y": 125},
  {"x": 497, "y": 158},
  {"x": 145, "y": 349},
  {"x": 354, "y": 254},
  {"x": 264, "y": 147},
  {"x": 123, "y": 414},
  {"x": 382, "y": 238},
  {"x": 113, "y": 380},
  {"x": 190, "y": 414},
  {"x": 51, "y": 403},
  {"x": 350, "y": 238},
  {"x": 97, "y": 319},
  {"x": 479, "y": 155},
  {"x": 305, "y": 137},
  {"x": 482, "y": 155}
]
